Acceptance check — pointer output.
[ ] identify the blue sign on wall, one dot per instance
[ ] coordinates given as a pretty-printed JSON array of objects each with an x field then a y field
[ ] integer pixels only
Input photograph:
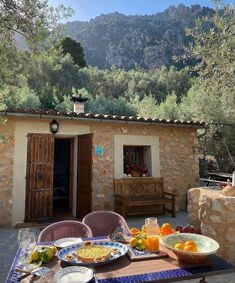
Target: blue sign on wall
[{"x": 99, "y": 150}]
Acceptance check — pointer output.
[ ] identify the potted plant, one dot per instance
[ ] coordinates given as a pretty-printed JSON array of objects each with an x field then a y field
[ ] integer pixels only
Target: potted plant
[{"x": 137, "y": 170}]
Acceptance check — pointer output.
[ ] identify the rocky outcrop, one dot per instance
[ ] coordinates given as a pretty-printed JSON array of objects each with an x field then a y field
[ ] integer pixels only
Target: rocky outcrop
[{"x": 146, "y": 41}]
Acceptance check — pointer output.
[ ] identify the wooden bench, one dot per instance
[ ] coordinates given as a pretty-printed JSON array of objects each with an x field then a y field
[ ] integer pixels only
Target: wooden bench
[{"x": 135, "y": 196}]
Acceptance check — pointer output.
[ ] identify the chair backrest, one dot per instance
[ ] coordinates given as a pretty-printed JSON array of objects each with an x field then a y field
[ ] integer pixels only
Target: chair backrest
[
  {"x": 103, "y": 223},
  {"x": 63, "y": 229}
]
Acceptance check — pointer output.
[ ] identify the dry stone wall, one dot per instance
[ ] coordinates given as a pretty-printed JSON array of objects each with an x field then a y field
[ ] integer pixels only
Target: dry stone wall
[
  {"x": 215, "y": 214},
  {"x": 6, "y": 173}
]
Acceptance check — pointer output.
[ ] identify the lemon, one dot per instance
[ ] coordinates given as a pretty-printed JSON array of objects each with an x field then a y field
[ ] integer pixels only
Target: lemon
[
  {"x": 53, "y": 249},
  {"x": 133, "y": 242},
  {"x": 46, "y": 255},
  {"x": 143, "y": 229},
  {"x": 141, "y": 247},
  {"x": 34, "y": 256},
  {"x": 50, "y": 254},
  {"x": 141, "y": 244}
]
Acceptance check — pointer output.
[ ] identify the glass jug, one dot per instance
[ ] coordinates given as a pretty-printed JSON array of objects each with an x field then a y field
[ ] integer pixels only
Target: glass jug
[{"x": 152, "y": 234}]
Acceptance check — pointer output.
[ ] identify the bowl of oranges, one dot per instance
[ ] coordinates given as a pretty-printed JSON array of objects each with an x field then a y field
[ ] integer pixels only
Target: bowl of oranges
[{"x": 190, "y": 247}]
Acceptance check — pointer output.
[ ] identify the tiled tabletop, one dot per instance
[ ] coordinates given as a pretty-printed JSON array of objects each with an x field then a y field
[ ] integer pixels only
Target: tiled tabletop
[{"x": 155, "y": 270}]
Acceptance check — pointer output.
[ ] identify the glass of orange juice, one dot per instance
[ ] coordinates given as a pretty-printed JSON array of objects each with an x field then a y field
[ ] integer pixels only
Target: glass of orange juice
[
  {"x": 152, "y": 233},
  {"x": 152, "y": 244}
]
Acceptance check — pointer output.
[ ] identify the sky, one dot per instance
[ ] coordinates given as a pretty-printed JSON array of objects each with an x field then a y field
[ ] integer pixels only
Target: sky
[{"x": 87, "y": 9}]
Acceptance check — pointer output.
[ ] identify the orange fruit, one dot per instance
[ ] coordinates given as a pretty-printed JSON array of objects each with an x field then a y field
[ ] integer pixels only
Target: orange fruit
[
  {"x": 168, "y": 231},
  {"x": 166, "y": 226},
  {"x": 179, "y": 246},
  {"x": 161, "y": 231},
  {"x": 189, "y": 248},
  {"x": 165, "y": 232},
  {"x": 134, "y": 231},
  {"x": 191, "y": 243}
]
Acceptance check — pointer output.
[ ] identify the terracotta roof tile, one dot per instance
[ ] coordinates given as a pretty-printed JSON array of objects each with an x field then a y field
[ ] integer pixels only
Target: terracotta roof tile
[{"x": 40, "y": 113}]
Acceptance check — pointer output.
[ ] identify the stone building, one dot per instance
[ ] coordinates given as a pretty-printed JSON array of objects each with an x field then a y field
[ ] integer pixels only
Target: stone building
[{"x": 55, "y": 164}]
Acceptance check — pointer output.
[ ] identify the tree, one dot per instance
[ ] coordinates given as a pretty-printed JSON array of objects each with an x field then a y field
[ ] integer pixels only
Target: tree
[
  {"x": 175, "y": 81},
  {"x": 214, "y": 48},
  {"x": 75, "y": 49},
  {"x": 110, "y": 106},
  {"x": 8, "y": 63},
  {"x": 146, "y": 107},
  {"x": 168, "y": 109},
  {"x": 33, "y": 19},
  {"x": 19, "y": 96},
  {"x": 212, "y": 98},
  {"x": 52, "y": 76},
  {"x": 149, "y": 108}
]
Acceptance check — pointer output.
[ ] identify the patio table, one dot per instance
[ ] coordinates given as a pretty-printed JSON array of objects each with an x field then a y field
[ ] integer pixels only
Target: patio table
[
  {"x": 220, "y": 176},
  {"x": 123, "y": 270}
]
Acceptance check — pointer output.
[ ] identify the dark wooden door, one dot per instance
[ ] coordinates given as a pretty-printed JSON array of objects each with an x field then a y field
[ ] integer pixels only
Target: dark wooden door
[
  {"x": 84, "y": 175},
  {"x": 39, "y": 177}
]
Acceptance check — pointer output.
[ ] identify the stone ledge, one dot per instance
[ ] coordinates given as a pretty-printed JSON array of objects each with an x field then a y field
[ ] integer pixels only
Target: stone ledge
[{"x": 215, "y": 214}]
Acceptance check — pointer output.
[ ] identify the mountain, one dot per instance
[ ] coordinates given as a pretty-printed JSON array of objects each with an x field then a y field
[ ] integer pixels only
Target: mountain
[{"x": 147, "y": 41}]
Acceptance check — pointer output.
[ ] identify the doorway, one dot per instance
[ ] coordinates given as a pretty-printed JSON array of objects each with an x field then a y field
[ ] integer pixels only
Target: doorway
[
  {"x": 63, "y": 168},
  {"x": 58, "y": 176}
]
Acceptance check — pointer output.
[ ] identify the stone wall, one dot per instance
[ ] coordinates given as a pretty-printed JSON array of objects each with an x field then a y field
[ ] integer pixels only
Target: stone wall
[
  {"x": 6, "y": 173},
  {"x": 215, "y": 214},
  {"x": 178, "y": 159}
]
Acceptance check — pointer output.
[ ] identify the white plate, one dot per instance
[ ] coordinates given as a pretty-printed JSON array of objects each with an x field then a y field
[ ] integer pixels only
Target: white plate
[
  {"x": 65, "y": 242},
  {"x": 74, "y": 274},
  {"x": 71, "y": 250}
]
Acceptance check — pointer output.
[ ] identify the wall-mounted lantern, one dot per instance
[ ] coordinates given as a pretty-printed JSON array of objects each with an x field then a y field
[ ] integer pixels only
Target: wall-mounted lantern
[{"x": 54, "y": 127}]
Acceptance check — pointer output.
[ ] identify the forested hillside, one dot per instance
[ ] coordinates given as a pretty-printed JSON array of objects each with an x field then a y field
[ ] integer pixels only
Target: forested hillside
[
  {"x": 129, "y": 41},
  {"x": 133, "y": 70}
]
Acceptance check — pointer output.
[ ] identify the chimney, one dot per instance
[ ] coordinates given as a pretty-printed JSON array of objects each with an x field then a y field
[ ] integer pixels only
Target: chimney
[{"x": 78, "y": 103}]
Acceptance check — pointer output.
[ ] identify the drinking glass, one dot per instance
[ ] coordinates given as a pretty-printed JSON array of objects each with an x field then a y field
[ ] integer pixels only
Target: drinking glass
[
  {"x": 21, "y": 232},
  {"x": 28, "y": 241},
  {"x": 22, "y": 245},
  {"x": 152, "y": 233}
]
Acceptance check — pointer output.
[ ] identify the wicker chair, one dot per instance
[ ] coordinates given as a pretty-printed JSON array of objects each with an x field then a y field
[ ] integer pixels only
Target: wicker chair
[
  {"x": 103, "y": 223},
  {"x": 63, "y": 229}
]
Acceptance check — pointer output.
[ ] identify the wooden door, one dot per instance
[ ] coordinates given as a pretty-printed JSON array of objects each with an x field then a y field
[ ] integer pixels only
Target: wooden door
[
  {"x": 39, "y": 176},
  {"x": 84, "y": 175}
]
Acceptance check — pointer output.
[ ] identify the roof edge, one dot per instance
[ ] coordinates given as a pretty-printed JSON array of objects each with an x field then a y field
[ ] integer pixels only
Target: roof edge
[{"x": 98, "y": 117}]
